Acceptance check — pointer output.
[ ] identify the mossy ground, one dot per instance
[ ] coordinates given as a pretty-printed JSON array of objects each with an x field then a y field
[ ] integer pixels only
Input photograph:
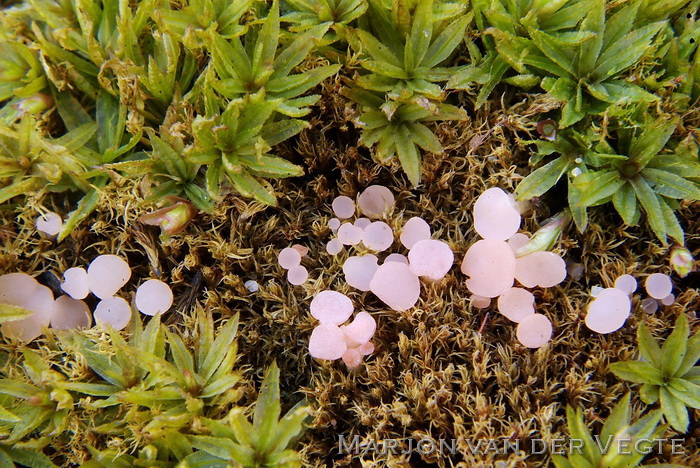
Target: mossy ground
[{"x": 441, "y": 370}]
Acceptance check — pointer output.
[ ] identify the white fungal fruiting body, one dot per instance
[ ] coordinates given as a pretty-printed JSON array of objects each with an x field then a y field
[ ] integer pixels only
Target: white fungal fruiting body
[
  {"x": 360, "y": 270},
  {"x": 360, "y": 330},
  {"x": 289, "y": 258},
  {"x": 362, "y": 223},
  {"x": 396, "y": 285},
  {"x": 516, "y": 304},
  {"x": 480, "y": 302},
  {"x": 69, "y": 314},
  {"x": 650, "y": 305},
  {"x": 297, "y": 275},
  {"x": 609, "y": 311},
  {"x": 415, "y": 229},
  {"x": 396, "y": 257},
  {"x": 658, "y": 286},
  {"x": 626, "y": 283},
  {"x": 334, "y": 246},
  {"x": 378, "y": 236},
  {"x": 534, "y": 331},
  {"x": 431, "y": 258},
  {"x": 518, "y": 241},
  {"x": 113, "y": 311},
  {"x": 543, "y": 269},
  {"x": 76, "y": 283},
  {"x": 327, "y": 342},
  {"x": 331, "y": 307},
  {"x": 349, "y": 234},
  {"x": 22, "y": 290},
  {"x": 107, "y": 274},
  {"x": 153, "y": 297},
  {"x": 343, "y": 207},
  {"x": 334, "y": 224},
  {"x": 49, "y": 223},
  {"x": 490, "y": 266},
  {"x": 375, "y": 201},
  {"x": 495, "y": 216},
  {"x": 668, "y": 300}
]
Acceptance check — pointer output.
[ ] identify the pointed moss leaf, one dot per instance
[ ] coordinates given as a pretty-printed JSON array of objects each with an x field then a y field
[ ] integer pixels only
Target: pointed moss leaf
[
  {"x": 11, "y": 313},
  {"x": 649, "y": 393},
  {"x": 542, "y": 179},
  {"x": 651, "y": 141},
  {"x": 652, "y": 208},
  {"x": 219, "y": 386},
  {"x": 673, "y": 227},
  {"x": 579, "y": 431},
  {"x": 421, "y": 34},
  {"x": 671, "y": 185},
  {"x": 176, "y": 165},
  {"x": 408, "y": 155},
  {"x": 242, "y": 428},
  {"x": 86, "y": 205},
  {"x": 620, "y": 24},
  {"x": 552, "y": 49},
  {"x": 674, "y": 410},
  {"x": 692, "y": 355},
  {"x": 626, "y": 51},
  {"x": 562, "y": 462},
  {"x": 291, "y": 426},
  {"x": 294, "y": 53},
  {"x": 648, "y": 346},
  {"x": 29, "y": 457},
  {"x": 619, "y": 417},
  {"x": 250, "y": 187},
  {"x": 182, "y": 358},
  {"x": 267, "y": 410},
  {"x": 637, "y": 372},
  {"x": 271, "y": 166},
  {"x": 217, "y": 349},
  {"x": 448, "y": 40},
  {"x": 266, "y": 44},
  {"x": 93, "y": 389},
  {"x": 7, "y": 416},
  {"x": 377, "y": 50},
  {"x": 687, "y": 392},
  {"x": 674, "y": 348},
  {"x": 597, "y": 185},
  {"x": 224, "y": 449},
  {"x": 625, "y": 202},
  {"x": 594, "y": 22},
  {"x": 424, "y": 137}
]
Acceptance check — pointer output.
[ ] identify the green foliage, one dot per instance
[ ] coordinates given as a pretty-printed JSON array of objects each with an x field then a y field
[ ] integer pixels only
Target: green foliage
[
  {"x": 604, "y": 450},
  {"x": 668, "y": 373},
  {"x": 401, "y": 88},
  {"x": 306, "y": 14},
  {"x": 637, "y": 177}
]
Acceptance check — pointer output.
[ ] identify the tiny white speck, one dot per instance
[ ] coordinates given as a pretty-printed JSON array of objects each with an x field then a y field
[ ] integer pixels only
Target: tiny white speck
[{"x": 251, "y": 286}]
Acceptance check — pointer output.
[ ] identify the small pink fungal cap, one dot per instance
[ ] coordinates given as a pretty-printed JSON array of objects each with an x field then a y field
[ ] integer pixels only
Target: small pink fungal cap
[
  {"x": 366, "y": 348},
  {"x": 518, "y": 241},
  {"x": 534, "y": 331},
  {"x": 543, "y": 269},
  {"x": 302, "y": 249},
  {"x": 362, "y": 223},
  {"x": 297, "y": 275},
  {"x": 289, "y": 258},
  {"x": 349, "y": 234},
  {"x": 360, "y": 330},
  {"x": 375, "y": 201},
  {"x": 334, "y": 246},
  {"x": 334, "y": 224},
  {"x": 609, "y": 311},
  {"x": 650, "y": 305},
  {"x": 327, "y": 342},
  {"x": 69, "y": 314},
  {"x": 352, "y": 358},
  {"x": 107, "y": 274},
  {"x": 415, "y": 229},
  {"x": 668, "y": 300},
  {"x": 49, "y": 223},
  {"x": 495, "y": 216},
  {"x": 575, "y": 270},
  {"x": 113, "y": 311},
  {"x": 76, "y": 283},
  {"x": 22, "y": 290},
  {"x": 359, "y": 271},
  {"x": 658, "y": 285},
  {"x": 343, "y": 207},
  {"x": 331, "y": 307},
  {"x": 396, "y": 257},
  {"x": 490, "y": 266},
  {"x": 153, "y": 297},
  {"x": 516, "y": 304},
  {"x": 480, "y": 302},
  {"x": 431, "y": 258},
  {"x": 378, "y": 236},
  {"x": 396, "y": 286},
  {"x": 626, "y": 283}
]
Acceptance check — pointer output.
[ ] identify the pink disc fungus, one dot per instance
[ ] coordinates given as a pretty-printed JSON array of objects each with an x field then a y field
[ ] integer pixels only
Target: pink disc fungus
[
  {"x": 668, "y": 300},
  {"x": 480, "y": 302},
  {"x": 297, "y": 275},
  {"x": 366, "y": 348},
  {"x": 343, "y": 207},
  {"x": 518, "y": 241},
  {"x": 289, "y": 258},
  {"x": 334, "y": 246},
  {"x": 113, "y": 311},
  {"x": 49, "y": 223},
  {"x": 658, "y": 285},
  {"x": 650, "y": 305},
  {"x": 534, "y": 331},
  {"x": 359, "y": 271},
  {"x": 543, "y": 269},
  {"x": 331, "y": 307},
  {"x": 153, "y": 297},
  {"x": 396, "y": 257},
  {"x": 349, "y": 234},
  {"x": 22, "y": 290},
  {"x": 375, "y": 201},
  {"x": 415, "y": 229},
  {"x": 327, "y": 342},
  {"x": 378, "y": 236},
  {"x": 431, "y": 258},
  {"x": 76, "y": 283},
  {"x": 360, "y": 330},
  {"x": 516, "y": 304},
  {"x": 362, "y": 223},
  {"x": 495, "y": 216},
  {"x": 626, "y": 283},
  {"x": 490, "y": 266},
  {"x": 70, "y": 314},
  {"x": 107, "y": 274},
  {"x": 334, "y": 224},
  {"x": 352, "y": 358},
  {"x": 396, "y": 286},
  {"x": 609, "y": 311},
  {"x": 302, "y": 249}
]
